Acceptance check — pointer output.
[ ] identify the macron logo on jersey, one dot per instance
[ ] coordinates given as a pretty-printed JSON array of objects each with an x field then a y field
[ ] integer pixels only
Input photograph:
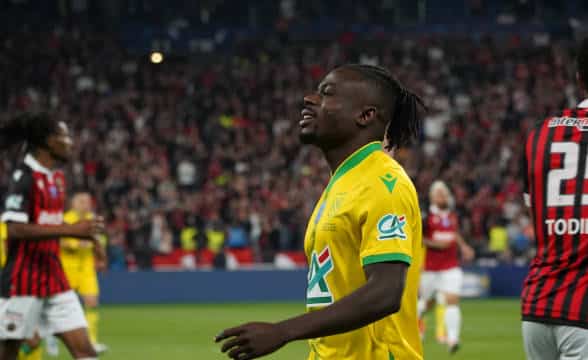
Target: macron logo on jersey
[
  {"x": 389, "y": 181},
  {"x": 391, "y": 227},
  {"x": 318, "y": 292}
]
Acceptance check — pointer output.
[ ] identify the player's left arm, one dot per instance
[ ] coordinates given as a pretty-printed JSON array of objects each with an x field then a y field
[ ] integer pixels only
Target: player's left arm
[{"x": 385, "y": 252}]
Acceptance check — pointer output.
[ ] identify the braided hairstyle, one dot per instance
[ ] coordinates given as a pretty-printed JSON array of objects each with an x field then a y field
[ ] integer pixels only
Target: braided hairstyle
[
  {"x": 30, "y": 130},
  {"x": 404, "y": 121}
]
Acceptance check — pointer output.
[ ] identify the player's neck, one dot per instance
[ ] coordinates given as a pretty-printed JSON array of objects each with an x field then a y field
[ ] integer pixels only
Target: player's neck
[
  {"x": 336, "y": 155},
  {"x": 45, "y": 159}
]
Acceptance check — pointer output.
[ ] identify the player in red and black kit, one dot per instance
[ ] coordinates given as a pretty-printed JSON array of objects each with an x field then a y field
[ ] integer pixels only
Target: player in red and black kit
[
  {"x": 442, "y": 275},
  {"x": 34, "y": 293},
  {"x": 555, "y": 297}
]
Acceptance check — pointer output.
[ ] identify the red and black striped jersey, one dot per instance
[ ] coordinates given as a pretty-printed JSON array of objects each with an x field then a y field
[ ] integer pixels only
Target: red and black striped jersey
[
  {"x": 556, "y": 189},
  {"x": 36, "y": 195}
]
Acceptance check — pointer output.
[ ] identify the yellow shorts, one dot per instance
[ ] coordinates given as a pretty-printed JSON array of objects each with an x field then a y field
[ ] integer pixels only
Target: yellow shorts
[{"x": 82, "y": 277}]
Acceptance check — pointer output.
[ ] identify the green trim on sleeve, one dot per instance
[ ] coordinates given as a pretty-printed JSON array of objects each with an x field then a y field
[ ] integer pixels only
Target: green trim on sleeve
[{"x": 371, "y": 259}]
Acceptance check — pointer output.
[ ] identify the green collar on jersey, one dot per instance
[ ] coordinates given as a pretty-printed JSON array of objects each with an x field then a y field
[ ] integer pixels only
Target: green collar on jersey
[{"x": 353, "y": 160}]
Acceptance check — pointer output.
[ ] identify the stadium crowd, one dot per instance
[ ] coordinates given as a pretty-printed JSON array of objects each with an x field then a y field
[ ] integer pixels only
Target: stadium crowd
[{"x": 193, "y": 153}]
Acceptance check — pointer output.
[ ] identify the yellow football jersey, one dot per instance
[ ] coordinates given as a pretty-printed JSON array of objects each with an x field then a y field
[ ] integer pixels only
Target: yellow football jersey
[
  {"x": 3, "y": 245},
  {"x": 72, "y": 249},
  {"x": 368, "y": 213}
]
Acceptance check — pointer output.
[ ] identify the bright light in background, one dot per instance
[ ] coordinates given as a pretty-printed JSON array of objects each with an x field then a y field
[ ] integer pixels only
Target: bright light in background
[{"x": 156, "y": 57}]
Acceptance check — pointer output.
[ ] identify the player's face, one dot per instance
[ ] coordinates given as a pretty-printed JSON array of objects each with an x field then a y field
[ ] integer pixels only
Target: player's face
[
  {"x": 440, "y": 198},
  {"x": 328, "y": 114},
  {"x": 61, "y": 143},
  {"x": 82, "y": 203}
]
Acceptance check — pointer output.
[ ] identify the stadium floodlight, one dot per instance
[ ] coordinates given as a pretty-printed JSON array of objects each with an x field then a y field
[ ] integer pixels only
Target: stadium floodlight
[{"x": 156, "y": 57}]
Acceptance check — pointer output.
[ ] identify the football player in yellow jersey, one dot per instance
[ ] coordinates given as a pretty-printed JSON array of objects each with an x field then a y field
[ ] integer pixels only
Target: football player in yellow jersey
[
  {"x": 3, "y": 236},
  {"x": 364, "y": 238},
  {"x": 80, "y": 260}
]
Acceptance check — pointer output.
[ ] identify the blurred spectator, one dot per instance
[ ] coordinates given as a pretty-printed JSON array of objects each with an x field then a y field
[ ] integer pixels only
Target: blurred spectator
[
  {"x": 498, "y": 239},
  {"x": 215, "y": 236},
  {"x": 160, "y": 238},
  {"x": 237, "y": 235}
]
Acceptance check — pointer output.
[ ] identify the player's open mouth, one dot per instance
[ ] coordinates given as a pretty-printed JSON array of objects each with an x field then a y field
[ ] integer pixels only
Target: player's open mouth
[{"x": 307, "y": 116}]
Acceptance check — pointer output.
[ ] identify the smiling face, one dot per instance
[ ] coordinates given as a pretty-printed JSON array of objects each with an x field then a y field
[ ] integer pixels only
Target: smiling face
[
  {"x": 60, "y": 144},
  {"x": 341, "y": 108}
]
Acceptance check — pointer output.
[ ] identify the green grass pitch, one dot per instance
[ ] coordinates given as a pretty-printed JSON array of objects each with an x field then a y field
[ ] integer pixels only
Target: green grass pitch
[{"x": 491, "y": 330}]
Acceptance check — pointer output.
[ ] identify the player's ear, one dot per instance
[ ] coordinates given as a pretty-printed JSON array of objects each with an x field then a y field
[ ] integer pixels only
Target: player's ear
[{"x": 367, "y": 116}]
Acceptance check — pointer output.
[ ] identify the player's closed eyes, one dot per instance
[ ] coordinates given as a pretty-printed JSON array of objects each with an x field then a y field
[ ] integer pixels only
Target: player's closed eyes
[{"x": 326, "y": 90}]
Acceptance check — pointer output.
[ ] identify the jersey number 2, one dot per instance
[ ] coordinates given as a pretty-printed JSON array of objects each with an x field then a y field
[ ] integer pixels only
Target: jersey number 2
[{"x": 571, "y": 158}]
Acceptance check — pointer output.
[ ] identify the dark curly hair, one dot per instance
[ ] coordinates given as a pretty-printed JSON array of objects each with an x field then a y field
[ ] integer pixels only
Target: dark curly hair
[
  {"x": 31, "y": 130},
  {"x": 404, "y": 119}
]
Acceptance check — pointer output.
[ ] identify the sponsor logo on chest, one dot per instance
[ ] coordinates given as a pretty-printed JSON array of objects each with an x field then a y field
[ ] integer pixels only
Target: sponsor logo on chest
[
  {"x": 318, "y": 292},
  {"x": 50, "y": 218}
]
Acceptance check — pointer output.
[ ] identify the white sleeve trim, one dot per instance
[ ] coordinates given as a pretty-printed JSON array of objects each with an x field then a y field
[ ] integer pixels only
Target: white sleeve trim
[
  {"x": 527, "y": 199},
  {"x": 14, "y": 216}
]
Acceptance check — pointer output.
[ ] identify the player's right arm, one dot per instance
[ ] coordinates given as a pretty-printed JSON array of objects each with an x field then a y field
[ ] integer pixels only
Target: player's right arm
[
  {"x": 17, "y": 209},
  {"x": 385, "y": 255}
]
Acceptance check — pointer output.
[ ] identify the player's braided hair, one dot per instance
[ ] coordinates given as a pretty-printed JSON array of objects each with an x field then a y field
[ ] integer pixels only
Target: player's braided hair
[
  {"x": 29, "y": 129},
  {"x": 582, "y": 62},
  {"x": 404, "y": 120}
]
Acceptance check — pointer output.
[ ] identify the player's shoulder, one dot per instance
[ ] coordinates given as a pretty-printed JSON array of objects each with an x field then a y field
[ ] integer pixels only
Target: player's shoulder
[
  {"x": 71, "y": 217},
  {"x": 384, "y": 177},
  {"x": 59, "y": 173},
  {"x": 567, "y": 117},
  {"x": 21, "y": 174},
  {"x": 387, "y": 171}
]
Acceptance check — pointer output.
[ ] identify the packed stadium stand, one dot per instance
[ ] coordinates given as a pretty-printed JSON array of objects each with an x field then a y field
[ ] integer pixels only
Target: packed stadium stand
[{"x": 194, "y": 153}]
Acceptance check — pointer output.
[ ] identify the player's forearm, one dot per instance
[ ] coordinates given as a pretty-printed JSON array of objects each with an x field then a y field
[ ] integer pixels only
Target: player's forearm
[
  {"x": 463, "y": 245},
  {"x": 100, "y": 252},
  {"x": 366, "y": 305},
  {"x": 460, "y": 241},
  {"x": 436, "y": 244},
  {"x": 19, "y": 231}
]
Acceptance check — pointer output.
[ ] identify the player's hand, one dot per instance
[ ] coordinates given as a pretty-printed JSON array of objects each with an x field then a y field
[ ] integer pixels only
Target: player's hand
[
  {"x": 468, "y": 254},
  {"x": 88, "y": 229},
  {"x": 252, "y": 340}
]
